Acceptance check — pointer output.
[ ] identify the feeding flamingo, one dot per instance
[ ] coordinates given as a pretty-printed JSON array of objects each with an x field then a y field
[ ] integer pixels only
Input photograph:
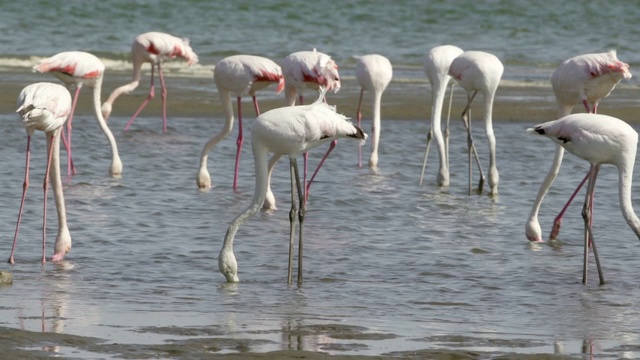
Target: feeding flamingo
[
  {"x": 154, "y": 48},
  {"x": 285, "y": 131},
  {"x": 240, "y": 75},
  {"x": 480, "y": 71},
  {"x": 374, "y": 73},
  {"x": 585, "y": 79},
  {"x": 45, "y": 107},
  {"x": 78, "y": 68},
  {"x": 598, "y": 139}
]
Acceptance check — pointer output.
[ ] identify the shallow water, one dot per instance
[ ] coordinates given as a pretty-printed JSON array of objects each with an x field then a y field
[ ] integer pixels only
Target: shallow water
[{"x": 390, "y": 266}]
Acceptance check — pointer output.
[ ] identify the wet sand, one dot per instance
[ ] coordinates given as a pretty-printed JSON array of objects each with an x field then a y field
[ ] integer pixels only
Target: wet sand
[{"x": 403, "y": 100}]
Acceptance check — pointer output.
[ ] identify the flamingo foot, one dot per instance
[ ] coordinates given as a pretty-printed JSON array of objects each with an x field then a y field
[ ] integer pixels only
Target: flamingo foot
[
  {"x": 555, "y": 230},
  {"x": 57, "y": 257},
  {"x": 11, "y": 260}
]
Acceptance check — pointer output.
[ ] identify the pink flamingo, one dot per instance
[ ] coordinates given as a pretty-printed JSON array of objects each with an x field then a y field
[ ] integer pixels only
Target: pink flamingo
[
  {"x": 305, "y": 70},
  {"x": 154, "y": 48},
  {"x": 599, "y": 139},
  {"x": 480, "y": 71},
  {"x": 45, "y": 107},
  {"x": 285, "y": 131},
  {"x": 585, "y": 79},
  {"x": 240, "y": 75},
  {"x": 78, "y": 68},
  {"x": 436, "y": 66},
  {"x": 374, "y": 73}
]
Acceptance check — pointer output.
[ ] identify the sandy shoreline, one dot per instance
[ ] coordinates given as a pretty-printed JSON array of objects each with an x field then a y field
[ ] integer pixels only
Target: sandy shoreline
[{"x": 197, "y": 97}]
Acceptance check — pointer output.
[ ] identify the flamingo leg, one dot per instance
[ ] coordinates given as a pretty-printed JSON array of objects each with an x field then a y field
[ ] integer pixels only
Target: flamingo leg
[
  {"x": 25, "y": 186},
  {"x": 163, "y": 96},
  {"x": 152, "y": 94},
  {"x": 239, "y": 142},
  {"x": 426, "y": 154},
  {"x": 301, "y": 216},
  {"x": 331, "y": 147},
  {"x": 558, "y": 220},
  {"x": 359, "y": 116},
  {"x": 71, "y": 169},
  {"x": 255, "y": 105},
  {"x": 471, "y": 147},
  {"x": 292, "y": 216},
  {"x": 587, "y": 215},
  {"x": 45, "y": 188}
]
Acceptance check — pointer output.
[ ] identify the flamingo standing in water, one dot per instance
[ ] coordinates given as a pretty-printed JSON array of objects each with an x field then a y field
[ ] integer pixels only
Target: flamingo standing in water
[
  {"x": 306, "y": 70},
  {"x": 436, "y": 66},
  {"x": 285, "y": 131},
  {"x": 154, "y": 48},
  {"x": 374, "y": 73},
  {"x": 480, "y": 71},
  {"x": 240, "y": 75},
  {"x": 45, "y": 107},
  {"x": 78, "y": 68},
  {"x": 599, "y": 139},
  {"x": 582, "y": 79}
]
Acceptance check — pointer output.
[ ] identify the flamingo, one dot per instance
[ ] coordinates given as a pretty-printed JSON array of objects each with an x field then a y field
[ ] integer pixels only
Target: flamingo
[
  {"x": 374, "y": 72},
  {"x": 436, "y": 66},
  {"x": 238, "y": 74},
  {"x": 306, "y": 70},
  {"x": 78, "y": 68},
  {"x": 479, "y": 71},
  {"x": 154, "y": 48},
  {"x": 598, "y": 139},
  {"x": 582, "y": 79},
  {"x": 285, "y": 131},
  {"x": 45, "y": 107}
]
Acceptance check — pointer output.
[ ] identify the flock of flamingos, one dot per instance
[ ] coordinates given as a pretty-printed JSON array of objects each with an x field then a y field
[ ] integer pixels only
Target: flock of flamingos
[{"x": 293, "y": 130}]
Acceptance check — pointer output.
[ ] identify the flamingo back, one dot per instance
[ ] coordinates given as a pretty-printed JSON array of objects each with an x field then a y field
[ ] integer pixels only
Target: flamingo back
[
  {"x": 160, "y": 46},
  {"x": 43, "y": 106},
  {"x": 374, "y": 72},
  {"x": 311, "y": 69},
  {"x": 77, "y": 64}
]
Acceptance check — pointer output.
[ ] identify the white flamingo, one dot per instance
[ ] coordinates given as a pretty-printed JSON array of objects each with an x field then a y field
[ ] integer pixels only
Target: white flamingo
[
  {"x": 582, "y": 79},
  {"x": 480, "y": 71},
  {"x": 598, "y": 139},
  {"x": 240, "y": 75},
  {"x": 374, "y": 73},
  {"x": 287, "y": 131},
  {"x": 45, "y": 107}
]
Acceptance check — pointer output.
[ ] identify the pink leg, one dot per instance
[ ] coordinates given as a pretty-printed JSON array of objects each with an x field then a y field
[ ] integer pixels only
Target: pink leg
[
  {"x": 71, "y": 170},
  {"x": 68, "y": 147},
  {"x": 25, "y": 185},
  {"x": 239, "y": 143},
  {"x": 331, "y": 146},
  {"x": 45, "y": 187},
  {"x": 558, "y": 220},
  {"x": 255, "y": 106},
  {"x": 163, "y": 95},
  {"x": 359, "y": 116},
  {"x": 152, "y": 93}
]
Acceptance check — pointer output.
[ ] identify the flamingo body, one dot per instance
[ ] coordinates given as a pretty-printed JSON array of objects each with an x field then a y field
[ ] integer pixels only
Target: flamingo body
[
  {"x": 585, "y": 79},
  {"x": 46, "y": 107},
  {"x": 436, "y": 66},
  {"x": 154, "y": 48},
  {"x": 478, "y": 71},
  {"x": 285, "y": 131},
  {"x": 374, "y": 73},
  {"x": 598, "y": 139},
  {"x": 78, "y": 68},
  {"x": 239, "y": 75},
  {"x": 308, "y": 70}
]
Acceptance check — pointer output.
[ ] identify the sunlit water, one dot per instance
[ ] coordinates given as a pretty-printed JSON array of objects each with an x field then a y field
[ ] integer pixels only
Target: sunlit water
[{"x": 389, "y": 266}]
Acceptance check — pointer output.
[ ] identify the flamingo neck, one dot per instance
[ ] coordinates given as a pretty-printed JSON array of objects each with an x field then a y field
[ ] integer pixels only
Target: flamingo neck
[
  {"x": 129, "y": 87},
  {"x": 116, "y": 164},
  {"x": 377, "y": 99},
  {"x": 625, "y": 173}
]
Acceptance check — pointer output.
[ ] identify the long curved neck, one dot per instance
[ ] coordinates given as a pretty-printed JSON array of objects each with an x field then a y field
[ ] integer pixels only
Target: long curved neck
[
  {"x": 548, "y": 181},
  {"x": 261, "y": 169},
  {"x": 439, "y": 88},
  {"x": 55, "y": 177},
  {"x": 225, "y": 96},
  {"x": 377, "y": 98},
  {"x": 129, "y": 87},
  {"x": 625, "y": 173},
  {"x": 116, "y": 164}
]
